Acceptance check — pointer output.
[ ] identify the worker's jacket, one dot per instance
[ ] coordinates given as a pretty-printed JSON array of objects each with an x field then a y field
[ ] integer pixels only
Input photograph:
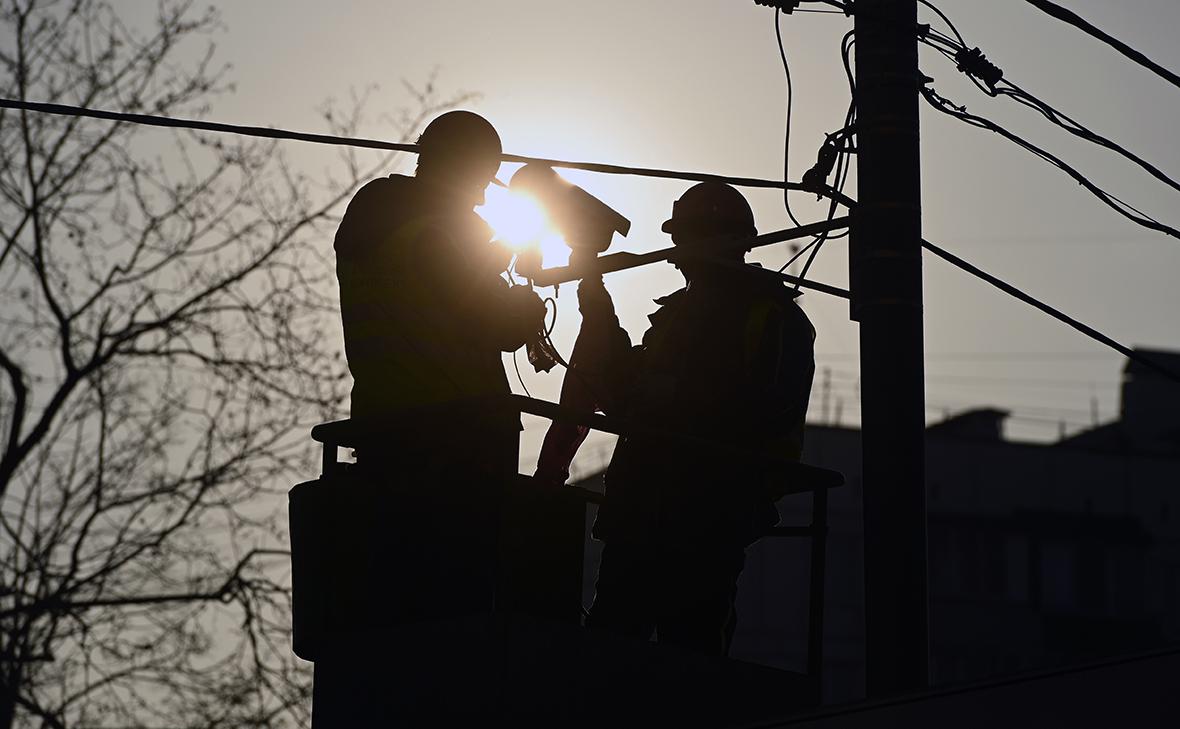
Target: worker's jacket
[
  {"x": 732, "y": 365},
  {"x": 425, "y": 312}
]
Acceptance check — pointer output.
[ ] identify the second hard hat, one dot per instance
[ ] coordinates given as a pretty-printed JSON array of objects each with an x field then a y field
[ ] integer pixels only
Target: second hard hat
[{"x": 711, "y": 208}]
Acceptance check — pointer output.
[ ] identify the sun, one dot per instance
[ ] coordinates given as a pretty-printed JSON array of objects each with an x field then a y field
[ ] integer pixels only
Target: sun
[{"x": 520, "y": 222}]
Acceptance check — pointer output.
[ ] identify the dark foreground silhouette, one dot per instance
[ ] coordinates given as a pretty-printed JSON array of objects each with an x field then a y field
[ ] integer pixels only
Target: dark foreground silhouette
[
  {"x": 728, "y": 360},
  {"x": 430, "y": 558},
  {"x": 426, "y": 316}
]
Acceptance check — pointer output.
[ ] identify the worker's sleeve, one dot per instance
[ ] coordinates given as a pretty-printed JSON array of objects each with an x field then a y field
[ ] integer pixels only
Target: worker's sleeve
[
  {"x": 465, "y": 282},
  {"x": 780, "y": 368},
  {"x": 603, "y": 357},
  {"x": 591, "y": 382}
]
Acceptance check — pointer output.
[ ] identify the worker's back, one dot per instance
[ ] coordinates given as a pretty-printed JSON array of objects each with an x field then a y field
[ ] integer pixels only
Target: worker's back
[
  {"x": 412, "y": 265},
  {"x": 730, "y": 365}
]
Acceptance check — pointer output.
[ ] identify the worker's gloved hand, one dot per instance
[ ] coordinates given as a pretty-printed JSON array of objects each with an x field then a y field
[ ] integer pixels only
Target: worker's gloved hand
[
  {"x": 499, "y": 255},
  {"x": 517, "y": 317},
  {"x": 594, "y": 302},
  {"x": 527, "y": 308}
]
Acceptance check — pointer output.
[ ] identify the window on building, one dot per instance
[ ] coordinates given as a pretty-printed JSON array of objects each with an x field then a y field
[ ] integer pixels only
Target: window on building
[
  {"x": 1059, "y": 588},
  {"x": 1016, "y": 554}
]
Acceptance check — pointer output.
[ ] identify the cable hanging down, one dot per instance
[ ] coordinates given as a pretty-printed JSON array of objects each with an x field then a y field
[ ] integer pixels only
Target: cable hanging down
[{"x": 782, "y": 52}]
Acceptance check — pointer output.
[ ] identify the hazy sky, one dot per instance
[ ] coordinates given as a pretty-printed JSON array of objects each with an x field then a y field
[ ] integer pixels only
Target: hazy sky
[{"x": 698, "y": 85}]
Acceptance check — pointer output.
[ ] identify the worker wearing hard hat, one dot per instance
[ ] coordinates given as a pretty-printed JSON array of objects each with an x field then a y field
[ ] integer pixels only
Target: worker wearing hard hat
[
  {"x": 727, "y": 359},
  {"x": 426, "y": 316}
]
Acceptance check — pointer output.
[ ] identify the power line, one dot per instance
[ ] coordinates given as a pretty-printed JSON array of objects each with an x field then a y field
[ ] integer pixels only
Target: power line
[
  {"x": 782, "y": 52},
  {"x": 983, "y": 356},
  {"x": 1056, "y": 314},
  {"x": 1077, "y": 21},
  {"x": 1122, "y": 207},
  {"x": 1078, "y": 130},
  {"x": 342, "y": 141},
  {"x": 833, "y": 194},
  {"x": 945, "y": 19},
  {"x": 982, "y": 380},
  {"x": 950, "y": 410},
  {"x": 849, "y": 384},
  {"x": 975, "y": 65}
]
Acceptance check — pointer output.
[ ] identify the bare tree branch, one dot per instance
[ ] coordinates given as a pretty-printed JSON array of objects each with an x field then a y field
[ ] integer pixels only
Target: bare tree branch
[{"x": 168, "y": 330}]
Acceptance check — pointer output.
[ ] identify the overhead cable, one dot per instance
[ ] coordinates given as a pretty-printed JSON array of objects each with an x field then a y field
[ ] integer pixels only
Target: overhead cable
[
  {"x": 945, "y": 19},
  {"x": 990, "y": 79},
  {"x": 1055, "y": 313},
  {"x": 835, "y": 195},
  {"x": 1078, "y": 130},
  {"x": 782, "y": 52},
  {"x": 331, "y": 139},
  {"x": 1077, "y": 21},
  {"x": 1124, "y": 208}
]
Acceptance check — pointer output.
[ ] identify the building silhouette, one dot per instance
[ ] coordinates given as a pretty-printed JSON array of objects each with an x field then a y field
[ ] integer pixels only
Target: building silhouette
[
  {"x": 1041, "y": 555},
  {"x": 1054, "y": 596}
]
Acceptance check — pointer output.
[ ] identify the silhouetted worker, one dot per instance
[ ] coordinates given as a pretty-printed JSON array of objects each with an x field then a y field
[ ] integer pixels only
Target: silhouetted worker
[
  {"x": 729, "y": 358},
  {"x": 426, "y": 316}
]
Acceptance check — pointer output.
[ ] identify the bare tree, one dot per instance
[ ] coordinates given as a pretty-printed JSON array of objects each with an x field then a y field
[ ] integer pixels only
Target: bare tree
[{"x": 168, "y": 314}]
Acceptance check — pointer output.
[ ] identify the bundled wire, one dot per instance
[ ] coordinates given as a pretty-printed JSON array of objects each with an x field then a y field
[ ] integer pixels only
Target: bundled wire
[
  {"x": 1120, "y": 206},
  {"x": 835, "y": 152},
  {"x": 989, "y": 78},
  {"x": 1078, "y": 130},
  {"x": 945, "y": 19}
]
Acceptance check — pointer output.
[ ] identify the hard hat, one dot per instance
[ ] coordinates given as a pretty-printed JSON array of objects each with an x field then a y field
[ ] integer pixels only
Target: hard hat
[
  {"x": 711, "y": 209},
  {"x": 465, "y": 138}
]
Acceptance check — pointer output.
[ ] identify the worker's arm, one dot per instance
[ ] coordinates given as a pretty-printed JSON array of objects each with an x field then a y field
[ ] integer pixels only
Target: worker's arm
[
  {"x": 591, "y": 382},
  {"x": 781, "y": 374},
  {"x": 464, "y": 275},
  {"x": 603, "y": 353}
]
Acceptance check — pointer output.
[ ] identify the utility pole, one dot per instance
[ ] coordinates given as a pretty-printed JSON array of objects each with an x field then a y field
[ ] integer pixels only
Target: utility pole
[{"x": 886, "y": 275}]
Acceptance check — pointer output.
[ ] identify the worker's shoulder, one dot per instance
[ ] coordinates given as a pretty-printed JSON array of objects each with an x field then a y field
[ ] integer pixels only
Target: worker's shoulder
[
  {"x": 761, "y": 288},
  {"x": 771, "y": 301},
  {"x": 382, "y": 189},
  {"x": 376, "y": 208}
]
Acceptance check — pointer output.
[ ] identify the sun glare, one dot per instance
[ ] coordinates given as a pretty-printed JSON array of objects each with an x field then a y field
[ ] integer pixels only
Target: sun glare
[{"x": 517, "y": 219}]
